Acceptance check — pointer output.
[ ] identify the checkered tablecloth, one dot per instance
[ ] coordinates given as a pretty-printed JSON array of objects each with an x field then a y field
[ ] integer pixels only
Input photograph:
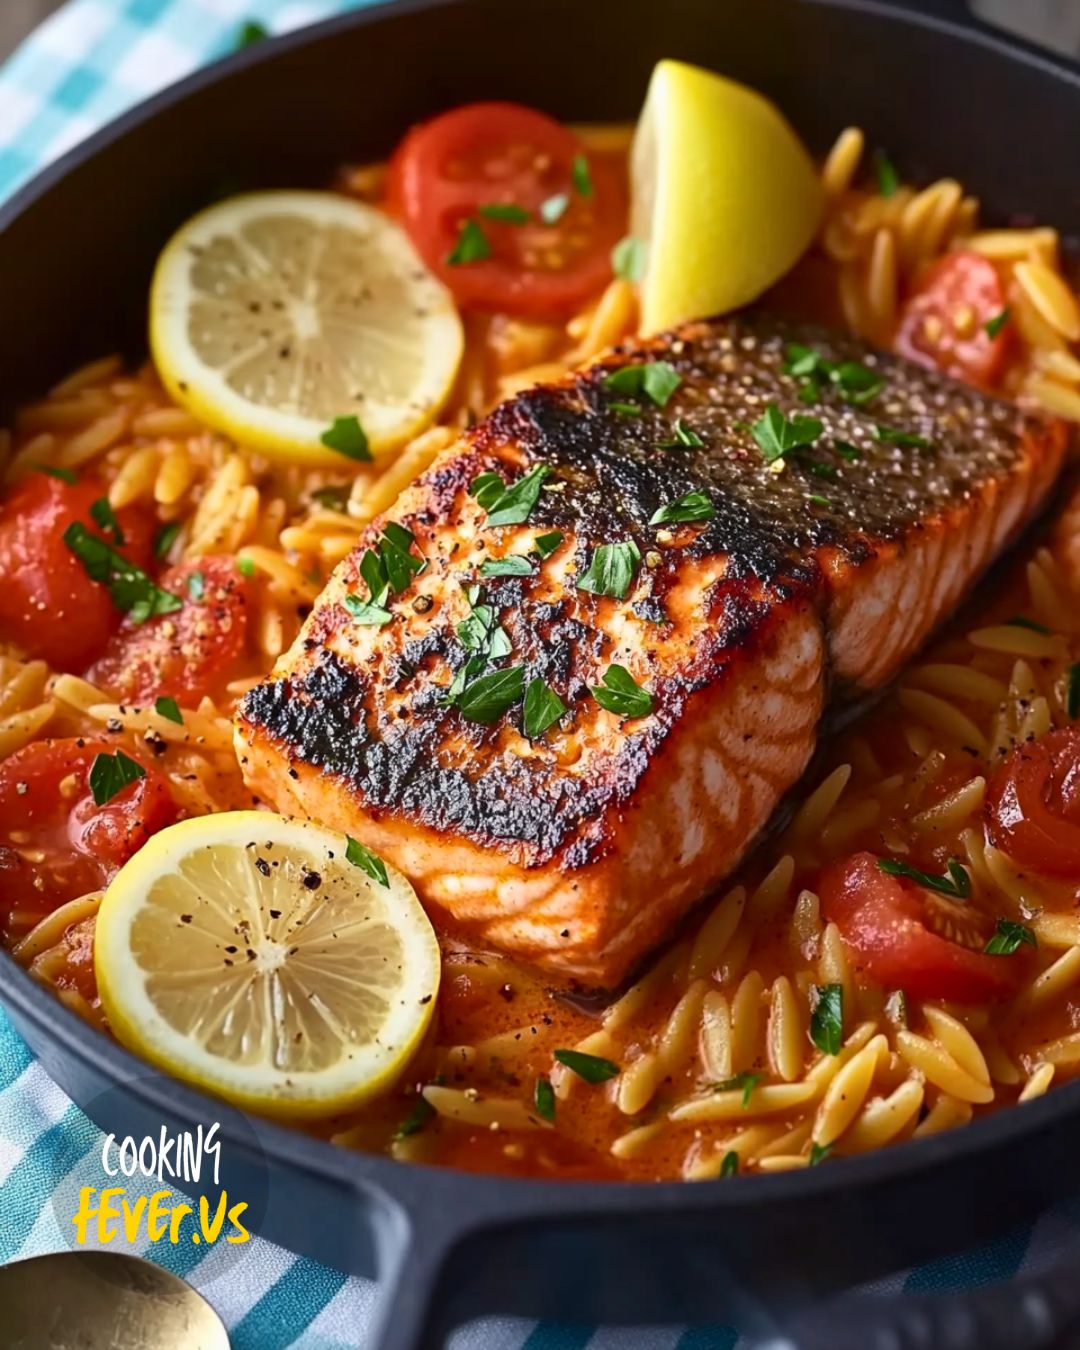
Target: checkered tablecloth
[{"x": 87, "y": 63}]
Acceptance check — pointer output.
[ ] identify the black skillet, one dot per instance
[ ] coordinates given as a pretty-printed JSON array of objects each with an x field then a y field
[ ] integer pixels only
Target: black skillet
[{"x": 76, "y": 250}]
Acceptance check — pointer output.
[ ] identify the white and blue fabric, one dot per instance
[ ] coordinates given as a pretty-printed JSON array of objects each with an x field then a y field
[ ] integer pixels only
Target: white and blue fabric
[{"x": 86, "y": 64}]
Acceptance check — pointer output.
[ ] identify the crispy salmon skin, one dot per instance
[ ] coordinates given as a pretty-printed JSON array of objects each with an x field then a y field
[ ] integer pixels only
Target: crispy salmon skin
[{"x": 665, "y": 513}]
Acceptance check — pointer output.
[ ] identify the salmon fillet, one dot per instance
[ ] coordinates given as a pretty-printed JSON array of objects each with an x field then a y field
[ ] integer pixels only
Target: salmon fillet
[{"x": 804, "y": 579}]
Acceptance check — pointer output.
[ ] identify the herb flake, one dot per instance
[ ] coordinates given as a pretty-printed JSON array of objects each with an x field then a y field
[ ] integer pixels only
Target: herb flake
[
  {"x": 654, "y": 380},
  {"x": 992, "y": 327},
  {"x": 611, "y": 569},
  {"x": 544, "y": 1099},
  {"x": 746, "y": 1081},
  {"x": 689, "y": 508},
  {"x": 104, "y": 517},
  {"x": 628, "y": 259},
  {"x": 514, "y": 565},
  {"x": 621, "y": 694},
  {"x": 682, "y": 437},
  {"x": 546, "y": 544},
  {"x": 472, "y": 245},
  {"x": 348, "y": 438},
  {"x": 486, "y": 699},
  {"x": 131, "y": 590},
  {"x": 509, "y": 505},
  {"x": 591, "y": 1068},
  {"x": 1009, "y": 937},
  {"x": 543, "y": 708},
  {"x": 110, "y": 774},
  {"x": 169, "y": 709},
  {"x": 509, "y": 213},
  {"x": 361, "y": 856},
  {"x": 827, "y": 1019},
  {"x": 888, "y": 180},
  {"x": 581, "y": 176},
  {"x": 956, "y": 883},
  {"x": 777, "y": 435}
]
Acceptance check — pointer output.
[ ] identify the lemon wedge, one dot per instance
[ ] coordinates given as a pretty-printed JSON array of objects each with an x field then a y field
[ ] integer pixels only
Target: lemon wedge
[
  {"x": 274, "y": 314},
  {"x": 264, "y": 960},
  {"x": 725, "y": 197}
]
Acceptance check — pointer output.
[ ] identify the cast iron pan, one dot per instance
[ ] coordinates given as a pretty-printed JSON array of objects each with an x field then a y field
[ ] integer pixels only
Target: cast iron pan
[{"x": 944, "y": 97}]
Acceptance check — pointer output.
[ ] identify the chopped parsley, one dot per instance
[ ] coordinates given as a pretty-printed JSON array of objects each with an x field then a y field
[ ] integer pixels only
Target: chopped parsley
[
  {"x": 818, "y": 1153},
  {"x": 746, "y": 1080},
  {"x": 621, "y": 694},
  {"x": 347, "y": 437},
  {"x": 730, "y": 1166},
  {"x": 165, "y": 539},
  {"x": 692, "y": 506},
  {"x": 582, "y": 177},
  {"x": 245, "y": 566},
  {"x": 896, "y": 436},
  {"x": 819, "y": 500},
  {"x": 544, "y": 1099},
  {"x": 626, "y": 409},
  {"x": 333, "y": 498},
  {"x": 169, "y": 709},
  {"x": 366, "y": 612},
  {"x": 956, "y": 884},
  {"x": 507, "y": 212},
  {"x": 543, "y": 708},
  {"x": 482, "y": 635},
  {"x": 847, "y": 451},
  {"x": 654, "y": 380},
  {"x": 546, "y": 544},
  {"x": 361, "y": 856},
  {"x": 487, "y": 698},
  {"x": 509, "y": 505},
  {"x": 628, "y": 258},
  {"x": 888, "y": 180},
  {"x": 196, "y": 585},
  {"x": 110, "y": 774},
  {"x": 683, "y": 437},
  {"x": 394, "y": 566},
  {"x": 611, "y": 569},
  {"x": 251, "y": 31},
  {"x": 1019, "y": 621},
  {"x": 855, "y": 382},
  {"x": 992, "y": 327},
  {"x": 592, "y": 1068},
  {"x": 1072, "y": 693},
  {"x": 513, "y": 566},
  {"x": 421, "y": 1113},
  {"x": 827, "y": 1019},
  {"x": 1009, "y": 937},
  {"x": 68, "y": 476},
  {"x": 552, "y": 209},
  {"x": 472, "y": 245},
  {"x": 102, "y": 514},
  {"x": 778, "y": 435},
  {"x": 131, "y": 590}
]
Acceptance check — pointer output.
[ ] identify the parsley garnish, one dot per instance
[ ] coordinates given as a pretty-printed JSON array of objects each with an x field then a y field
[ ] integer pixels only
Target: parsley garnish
[
  {"x": 888, "y": 180},
  {"x": 245, "y": 566},
  {"x": 552, "y": 209},
  {"x": 417, "y": 1118},
  {"x": 196, "y": 585},
  {"x": 956, "y": 884},
  {"x": 543, "y": 708},
  {"x": 628, "y": 258},
  {"x": 819, "y": 500},
  {"x": 691, "y": 506},
  {"x": 992, "y": 327},
  {"x": 130, "y": 588},
  {"x": 818, "y": 1153},
  {"x": 104, "y": 517},
  {"x": 68, "y": 476},
  {"x": 365, "y": 612},
  {"x": 1009, "y": 937},
  {"x": 509, "y": 505},
  {"x": 827, "y": 1020},
  {"x": 684, "y": 437},
  {"x": 251, "y": 31},
  {"x": 855, "y": 382},
  {"x": 777, "y": 435},
  {"x": 730, "y": 1166},
  {"x": 398, "y": 562},
  {"x": 361, "y": 856},
  {"x": 611, "y": 569},
  {"x": 481, "y": 634},
  {"x": 486, "y": 699},
  {"x": 110, "y": 774},
  {"x": 654, "y": 380},
  {"x": 1019, "y": 621},
  {"x": 592, "y": 1068},
  {"x": 626, "y": 409},
  {"x": 165, "y": 539},
  {"x": 347, "y": 437},
  {"x": 513, "y": 566},
  {"x": 472, "y": 245},
  {"x": 847, "y": 451},
  {"x": 745, "y": 1080},
  {"x": 581, "y": 176},
  {"x": 1072, "y": 695},
  {"x": 546, "y": 544},
  {"x": 895, "y": 436},
  {"x": 334, "y": 498},
  {"x": 508, "y": 212},
  {"x": 544, "y": 1099},
  {"x": 169, "y": 709},
  {"x": 621, "y": 694}
]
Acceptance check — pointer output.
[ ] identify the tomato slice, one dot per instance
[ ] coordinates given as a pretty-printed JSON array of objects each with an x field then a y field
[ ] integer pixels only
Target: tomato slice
[
  {"x": 448, "y": 173},
  {"x": 56, "y": 843},
  {"x": 915, "y": 940},
  {"x": 1033, "y": 804},
  {"x": 944, "y": 322},
  {"x": 49, "y": 606},
  {"x": 186, "y": 654}
]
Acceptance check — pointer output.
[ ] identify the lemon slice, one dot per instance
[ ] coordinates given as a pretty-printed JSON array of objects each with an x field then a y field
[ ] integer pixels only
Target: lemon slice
[
  {"x": 725, "y": 197},
  {"x": 275, "y": 313},
  {"x": 247, "y": 954}
]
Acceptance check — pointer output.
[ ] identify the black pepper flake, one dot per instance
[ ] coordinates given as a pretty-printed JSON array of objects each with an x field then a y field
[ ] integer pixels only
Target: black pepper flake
[
  {"x": 312, "y": 881},
  {"x": 186, "y": 918},
  {"x": 506, "y": 992},
  {"x": 275, "y": 913},
  {"x": 262, "y": 866}
]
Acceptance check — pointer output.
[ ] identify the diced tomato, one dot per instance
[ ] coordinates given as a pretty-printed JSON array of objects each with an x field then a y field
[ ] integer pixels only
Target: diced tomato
[
  {"x": 944, "y": 322},
  {"x": 56, "y": 843},
  {"x": 448, "y": 172},
  {"x": 1033, "y": 804},
  {"x": 49, "y": 606},
  {"x": 190, "y": 652},
  {"x": 913, "y": 939}
]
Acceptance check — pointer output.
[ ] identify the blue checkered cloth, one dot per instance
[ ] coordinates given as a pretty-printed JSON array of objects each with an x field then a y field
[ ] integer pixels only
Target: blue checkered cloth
[{"x": 86, "y": 64}]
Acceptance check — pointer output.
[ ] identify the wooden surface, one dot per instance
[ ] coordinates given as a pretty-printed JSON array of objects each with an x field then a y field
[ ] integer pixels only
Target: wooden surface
[{"x": 17, "y": 17}]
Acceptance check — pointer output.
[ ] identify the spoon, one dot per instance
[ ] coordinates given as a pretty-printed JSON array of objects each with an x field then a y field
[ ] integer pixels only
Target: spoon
[{"x": 97, "y": 1300}]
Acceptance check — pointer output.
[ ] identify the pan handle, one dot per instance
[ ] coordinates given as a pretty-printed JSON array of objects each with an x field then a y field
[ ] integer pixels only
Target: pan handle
[
  {"x": 411, "y": 1258},
  {"x": 1034, "y": 1312}
]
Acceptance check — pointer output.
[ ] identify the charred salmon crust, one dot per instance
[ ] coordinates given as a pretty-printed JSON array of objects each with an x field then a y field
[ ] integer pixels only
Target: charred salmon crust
[{"x": 578, "y": 849}]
